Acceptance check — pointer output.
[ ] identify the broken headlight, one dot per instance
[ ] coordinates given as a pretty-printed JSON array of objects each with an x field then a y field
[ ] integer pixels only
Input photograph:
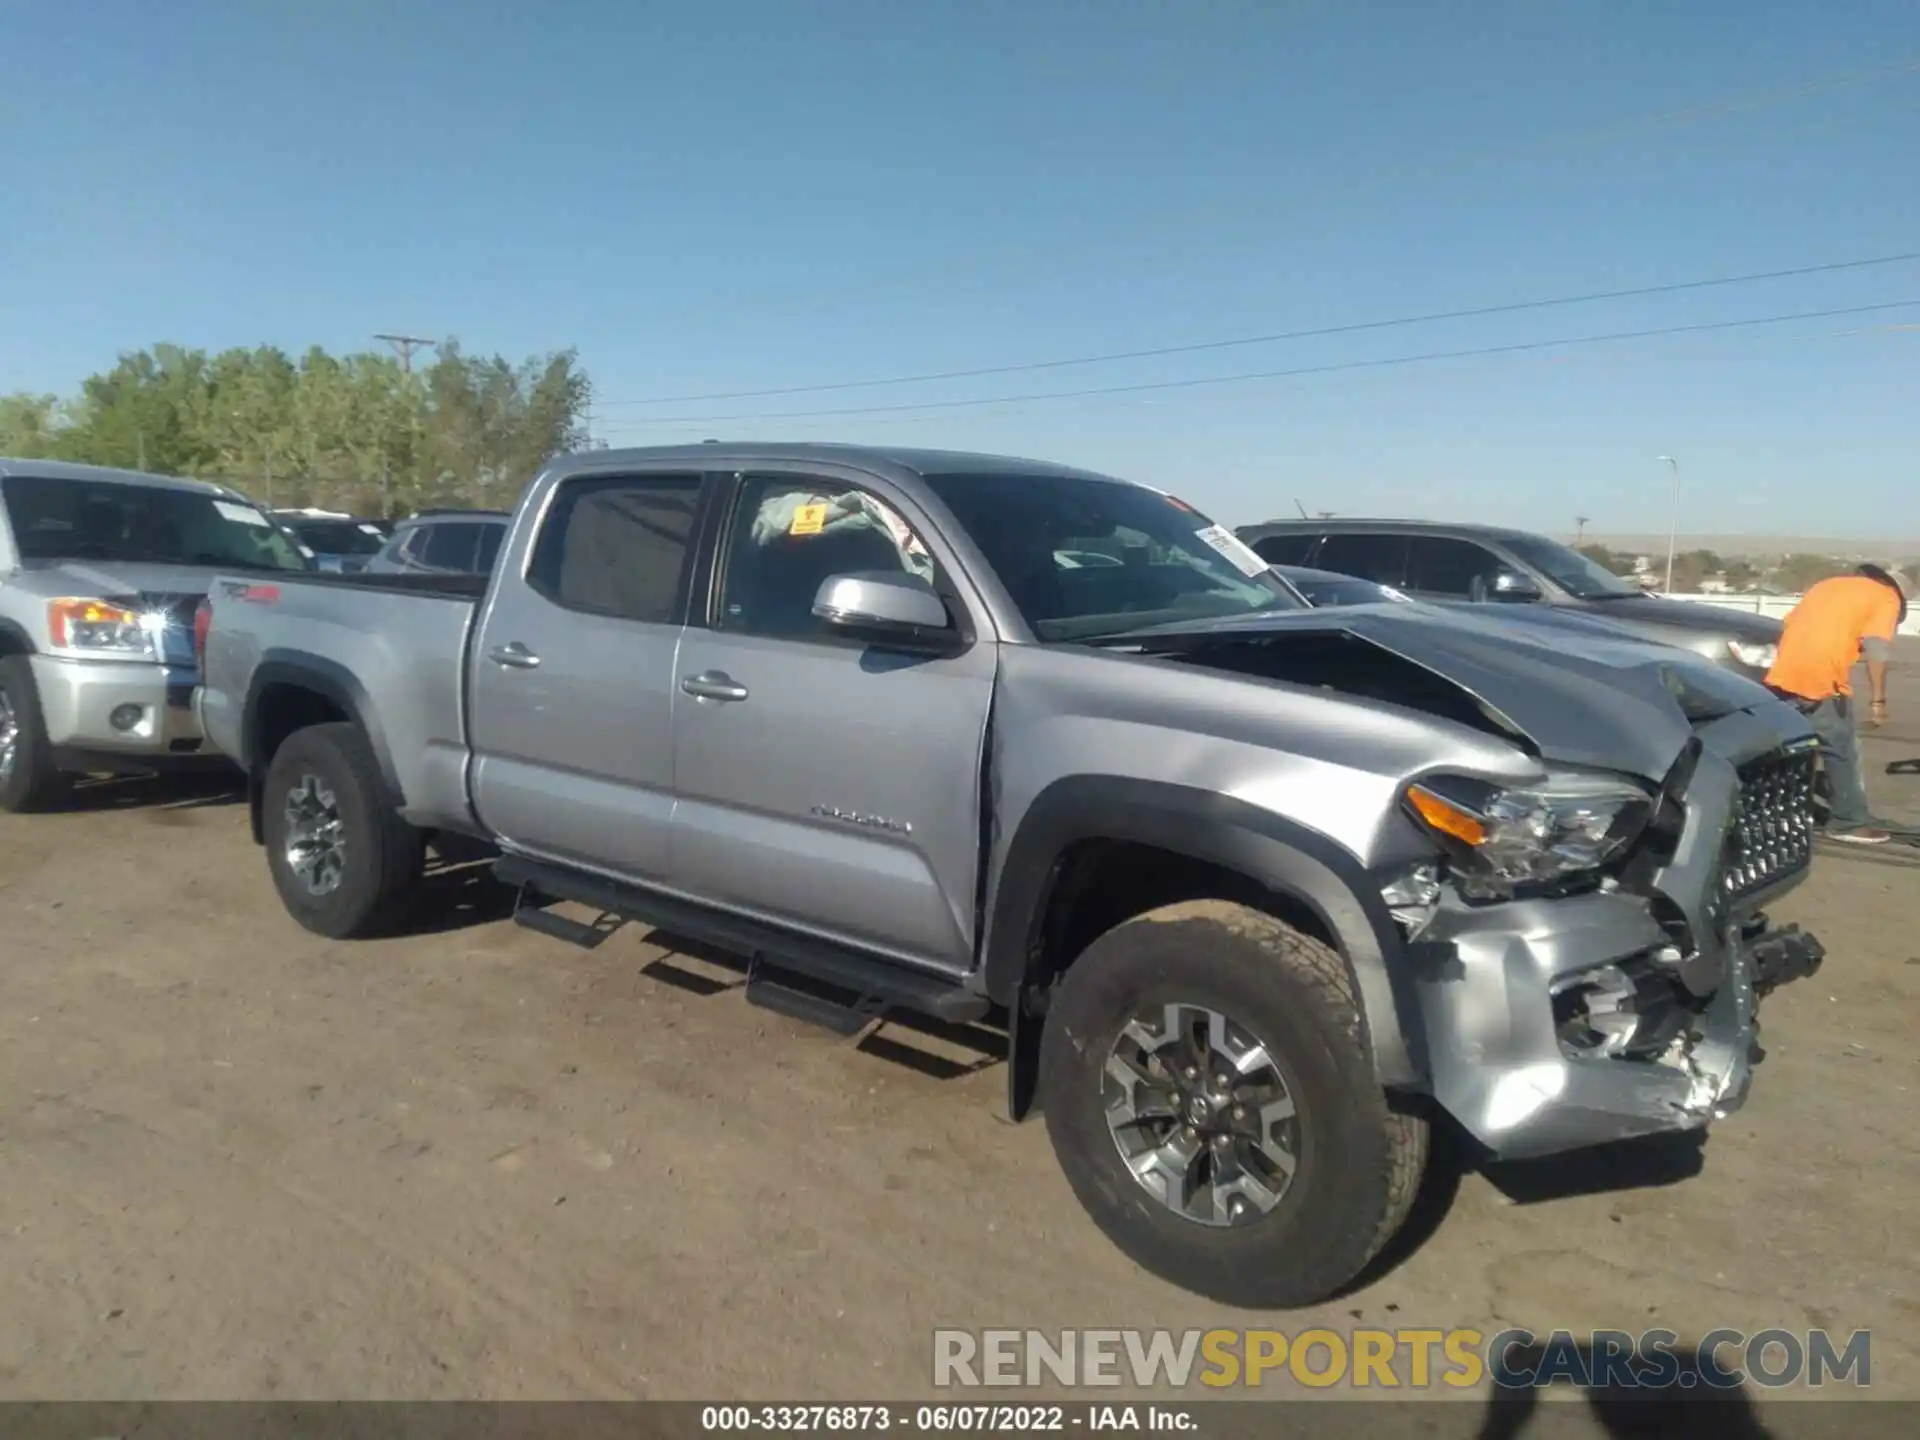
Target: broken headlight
[{"x": 1502, "y": 841}]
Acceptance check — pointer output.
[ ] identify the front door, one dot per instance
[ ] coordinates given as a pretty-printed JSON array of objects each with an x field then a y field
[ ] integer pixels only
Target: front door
[
  {"x": 823, "y": 783},
  {"x": 574, "y": 676}
]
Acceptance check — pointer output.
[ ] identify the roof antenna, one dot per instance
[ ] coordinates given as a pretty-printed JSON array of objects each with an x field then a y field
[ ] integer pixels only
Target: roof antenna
[{"x": 1301, "y": 508}]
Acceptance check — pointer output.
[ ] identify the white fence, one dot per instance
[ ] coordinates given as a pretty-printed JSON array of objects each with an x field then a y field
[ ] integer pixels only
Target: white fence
[{"x": 1777, "y": 606}]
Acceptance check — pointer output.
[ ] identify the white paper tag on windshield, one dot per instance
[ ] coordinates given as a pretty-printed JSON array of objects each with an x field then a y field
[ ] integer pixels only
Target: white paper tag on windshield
[
  {"x": 241, "y": 514},
  {"x": 370, "y": 529},
  {"x": 1234, "y": 548}
]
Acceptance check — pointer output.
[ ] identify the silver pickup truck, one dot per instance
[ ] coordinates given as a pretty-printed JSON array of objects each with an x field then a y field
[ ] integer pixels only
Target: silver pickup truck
[
  {"x": 100, "y": 574},
  {"x": 1258, "y": 890}
]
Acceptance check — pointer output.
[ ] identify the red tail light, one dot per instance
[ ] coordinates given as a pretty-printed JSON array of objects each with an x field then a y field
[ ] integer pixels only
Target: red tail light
[{"x": 202, "y": 620}]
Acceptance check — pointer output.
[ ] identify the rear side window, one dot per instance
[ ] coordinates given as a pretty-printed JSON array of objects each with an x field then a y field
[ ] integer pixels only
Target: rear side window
[
  {"x": 1284, "y": 549},
  {"x": 1380, "y": 558},
  {"x": 1440, "y": 566},
  {"x": 451, "y": 547},
  {"x": 618, "y": 545}
]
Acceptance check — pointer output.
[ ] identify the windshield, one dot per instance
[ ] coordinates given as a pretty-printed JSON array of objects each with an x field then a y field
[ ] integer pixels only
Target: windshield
[
  {"x": 62, "y": 519},
  {"x": 1085, "y": 558},
  {"x": 337, "y": 537},
  {"x": 1573, "y": 572}
]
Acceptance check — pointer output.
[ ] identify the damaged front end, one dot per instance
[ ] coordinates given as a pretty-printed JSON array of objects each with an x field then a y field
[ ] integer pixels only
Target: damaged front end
[
  {"x": 1587, "y": 950},
  {"x": 1627, "y": 1003}
]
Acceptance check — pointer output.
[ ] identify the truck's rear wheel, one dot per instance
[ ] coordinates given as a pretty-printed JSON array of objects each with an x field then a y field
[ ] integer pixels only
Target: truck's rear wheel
[
  {"x": 1208, "y": 1091},
  {"x": 344, "y": 863},
  {"x": 29, "y": 780}
]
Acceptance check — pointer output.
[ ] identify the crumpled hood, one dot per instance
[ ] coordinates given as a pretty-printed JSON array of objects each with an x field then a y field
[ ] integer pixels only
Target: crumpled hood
[{"x": 1581, "y": 699}]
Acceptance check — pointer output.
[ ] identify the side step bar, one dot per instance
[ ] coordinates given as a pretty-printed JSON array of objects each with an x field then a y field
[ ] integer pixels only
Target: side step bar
[{"x": 779, "y": 963}]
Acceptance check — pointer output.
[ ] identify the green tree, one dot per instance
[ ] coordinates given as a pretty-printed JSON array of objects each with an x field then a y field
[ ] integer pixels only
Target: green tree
[
  {"x": 1691, "y": 568},
  {"x": 29, "y": 425},
  {"x": 140, "y": 414},
  {"x": 1800, "y": 572},
  {"x": 354, "y": 431},
  {"x": 1740, "y": 575}
]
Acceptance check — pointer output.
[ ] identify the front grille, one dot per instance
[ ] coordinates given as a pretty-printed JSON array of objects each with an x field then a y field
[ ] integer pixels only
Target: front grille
[
  {"x": 176, "y": 641},
  {"x": 1771, "y": 837}
]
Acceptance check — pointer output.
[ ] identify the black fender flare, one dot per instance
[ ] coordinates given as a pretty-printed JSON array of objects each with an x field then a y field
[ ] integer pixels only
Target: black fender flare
[
  {"x": 1305, "y": 866},
  {"x": 324, "y": 677},
  {"x": 14, "y": 640}
]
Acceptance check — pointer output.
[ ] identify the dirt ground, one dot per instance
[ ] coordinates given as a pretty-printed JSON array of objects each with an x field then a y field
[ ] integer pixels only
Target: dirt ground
[{"x": 238, "y": 1161}]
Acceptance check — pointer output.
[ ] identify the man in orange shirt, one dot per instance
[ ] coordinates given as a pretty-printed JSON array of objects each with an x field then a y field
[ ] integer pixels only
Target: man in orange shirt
[{"x": 1835, "y": 624}]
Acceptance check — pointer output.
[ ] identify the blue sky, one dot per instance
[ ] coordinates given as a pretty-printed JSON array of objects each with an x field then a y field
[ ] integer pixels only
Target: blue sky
[{"x": 724, "y": 196}]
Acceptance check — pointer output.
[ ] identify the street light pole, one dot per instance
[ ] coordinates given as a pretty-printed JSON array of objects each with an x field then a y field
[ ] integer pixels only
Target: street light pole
[{"x": 1673, "y": 517}]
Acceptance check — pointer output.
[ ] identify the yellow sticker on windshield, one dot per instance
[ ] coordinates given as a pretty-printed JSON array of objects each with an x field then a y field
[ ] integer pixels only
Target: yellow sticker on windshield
[{"x": 808, "y": 520}]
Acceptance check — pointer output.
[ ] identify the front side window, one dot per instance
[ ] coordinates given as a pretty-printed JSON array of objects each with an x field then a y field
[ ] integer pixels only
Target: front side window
[
  {"x": 1580, "y": 577},
  {"x": 790, "y": 535},
  {"x": 54, "y": 518},
  {"x": 1165, "y": 563},
  {"x": 1438, "y": 565},
  {"x": 411, "y": 545},
  {"x": 616, "y": 545}
]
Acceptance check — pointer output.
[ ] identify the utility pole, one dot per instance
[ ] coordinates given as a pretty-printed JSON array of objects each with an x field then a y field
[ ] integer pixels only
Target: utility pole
[
  {"x": 1673, "y": 519},
  {"x": 1579, "y": 531},
  {"x": 405, "y": 345}
]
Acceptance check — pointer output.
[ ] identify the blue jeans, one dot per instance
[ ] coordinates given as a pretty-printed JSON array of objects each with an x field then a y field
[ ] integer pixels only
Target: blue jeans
[{"x": 1846, "y": 779}]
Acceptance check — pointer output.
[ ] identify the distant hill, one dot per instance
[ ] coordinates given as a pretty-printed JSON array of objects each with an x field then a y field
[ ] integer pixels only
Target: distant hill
[{"x": 1756, "y": 546}]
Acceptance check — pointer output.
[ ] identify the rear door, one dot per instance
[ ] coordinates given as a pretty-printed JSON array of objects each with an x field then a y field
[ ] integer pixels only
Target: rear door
[
  {"x": 1377, "y": 556},
  {"x": 826, "y": 784},
  {"x": 574, "y": 677}
]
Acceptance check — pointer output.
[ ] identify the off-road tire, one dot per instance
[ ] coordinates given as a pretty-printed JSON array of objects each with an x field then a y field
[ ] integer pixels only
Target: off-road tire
[
  {"x": 34, "y": 784},
  {"x": 1360, "y": 1161},
  {"x": 383, "y": 855}
]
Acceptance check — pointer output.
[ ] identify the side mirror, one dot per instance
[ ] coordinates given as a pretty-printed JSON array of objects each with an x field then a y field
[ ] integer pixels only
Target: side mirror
[
  {"x": 889, "y": 607},
  {"x": 1511, "y": 585}
]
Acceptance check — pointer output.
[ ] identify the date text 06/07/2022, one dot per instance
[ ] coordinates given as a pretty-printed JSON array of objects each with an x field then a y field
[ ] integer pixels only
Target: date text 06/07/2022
[{"x": 948, "y": 1419}]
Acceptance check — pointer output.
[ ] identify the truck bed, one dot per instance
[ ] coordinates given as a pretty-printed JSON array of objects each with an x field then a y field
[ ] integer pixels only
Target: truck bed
[{"x": 403, "y": 638}]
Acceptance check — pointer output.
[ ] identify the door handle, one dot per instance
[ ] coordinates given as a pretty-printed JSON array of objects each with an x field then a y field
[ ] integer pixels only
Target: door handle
[
  {"x": 714, "y": 685},
  {"x": 514, "y": 656}
]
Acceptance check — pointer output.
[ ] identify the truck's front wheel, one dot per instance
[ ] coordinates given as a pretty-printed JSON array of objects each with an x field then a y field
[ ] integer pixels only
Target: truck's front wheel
[
  {"x": 344, "y": 863},
  {"x": 1208, "y": 1091},
  {"x": 29, "y": 779}
]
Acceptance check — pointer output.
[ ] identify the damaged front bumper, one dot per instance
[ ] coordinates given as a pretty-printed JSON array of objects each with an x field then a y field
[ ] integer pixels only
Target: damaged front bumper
[{"x": 1560, "y": 1024}]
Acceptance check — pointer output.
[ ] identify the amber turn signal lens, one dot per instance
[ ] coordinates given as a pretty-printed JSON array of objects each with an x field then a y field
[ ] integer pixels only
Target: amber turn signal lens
[{"x": 1446, "y": 817}]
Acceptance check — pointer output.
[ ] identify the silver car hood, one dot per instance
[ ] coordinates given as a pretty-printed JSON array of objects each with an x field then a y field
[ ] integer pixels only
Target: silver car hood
[
  {"x": 110, "y": 579},
  {"x": 1576, "y": 698}
]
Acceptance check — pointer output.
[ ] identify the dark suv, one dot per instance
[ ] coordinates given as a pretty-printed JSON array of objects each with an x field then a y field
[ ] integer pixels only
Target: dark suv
[
  {"x": 1479, "y": 564},
  {"x": 442, "y": 542}
]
